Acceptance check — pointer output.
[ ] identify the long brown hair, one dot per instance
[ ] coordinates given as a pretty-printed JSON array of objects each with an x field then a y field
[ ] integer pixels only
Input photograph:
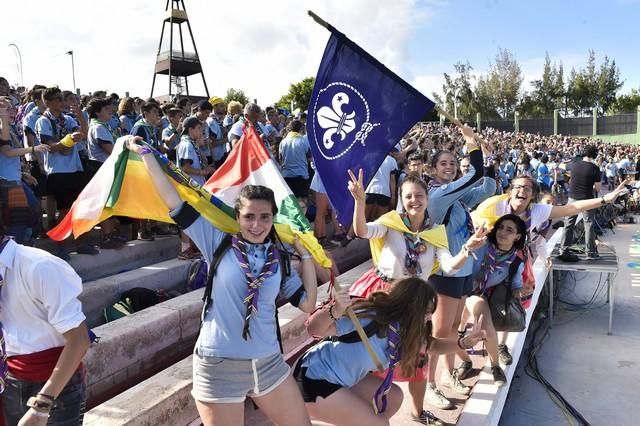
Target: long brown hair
[{"x": 408, "y": 301}]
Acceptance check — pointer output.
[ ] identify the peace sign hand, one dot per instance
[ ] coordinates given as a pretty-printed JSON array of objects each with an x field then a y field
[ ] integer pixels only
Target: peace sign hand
[{"x": 356, "y": 186}]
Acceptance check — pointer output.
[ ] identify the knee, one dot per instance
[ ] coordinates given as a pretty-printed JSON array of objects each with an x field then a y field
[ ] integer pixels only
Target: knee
[{"x": 394, "y": 399}]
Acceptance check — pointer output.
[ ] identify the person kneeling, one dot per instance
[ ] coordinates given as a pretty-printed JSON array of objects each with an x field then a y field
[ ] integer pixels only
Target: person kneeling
[{"x": 334, "y": 376}]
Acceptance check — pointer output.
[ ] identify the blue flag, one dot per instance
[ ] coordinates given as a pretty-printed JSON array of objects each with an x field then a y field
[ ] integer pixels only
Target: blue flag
[{"x": 359, "y": 110}]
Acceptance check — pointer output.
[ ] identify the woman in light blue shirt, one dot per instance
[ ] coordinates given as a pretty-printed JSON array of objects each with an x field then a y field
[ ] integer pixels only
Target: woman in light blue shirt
[
  {"x": 237, "y": 352},
  {"x": 499, "y": 262},
  {"x": 335, "y": 375}
]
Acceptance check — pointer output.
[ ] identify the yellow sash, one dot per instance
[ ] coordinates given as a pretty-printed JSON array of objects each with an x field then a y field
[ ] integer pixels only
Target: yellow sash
[{"x": 436, "y": 237}]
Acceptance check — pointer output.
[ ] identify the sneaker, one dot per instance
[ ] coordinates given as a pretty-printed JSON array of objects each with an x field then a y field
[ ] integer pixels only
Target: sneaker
[
  {"x": 593, "y": 256},
  {"x": 452, "y": 382},
  {"x": 435, "y": 398},
  {"x": 145, "y": 236},
  {"x": 568, "y": 257},
  {"x": 111, "y": 243},
  {"x": 504, "y": 355},
  {"x": 338, "y": 239},
  {"x": 427, "y": 418},
  {"x": 190, "y": 254},
  {"x": 87, "y": 249},
  {"x": 499, "y": 379},
  {"x": 462, "y": 371}
]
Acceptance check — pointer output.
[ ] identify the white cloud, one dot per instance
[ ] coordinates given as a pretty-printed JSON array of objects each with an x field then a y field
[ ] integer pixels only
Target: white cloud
[{"x": 259, "y": 47}]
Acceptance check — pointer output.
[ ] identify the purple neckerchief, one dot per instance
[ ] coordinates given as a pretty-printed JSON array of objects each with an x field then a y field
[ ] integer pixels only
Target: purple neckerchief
[
  {"x": 253, "y": 283},
  {"x": 492, "y": 261},
  {"x": 414, "y": 246},
  {"x": 393, "y": 338}
]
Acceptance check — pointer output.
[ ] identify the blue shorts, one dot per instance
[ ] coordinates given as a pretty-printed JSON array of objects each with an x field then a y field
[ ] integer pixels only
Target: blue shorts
[{"x": 456, "y": 287}]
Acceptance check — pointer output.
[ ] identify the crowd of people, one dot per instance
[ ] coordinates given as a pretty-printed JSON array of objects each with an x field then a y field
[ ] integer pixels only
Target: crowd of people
[{"x": 453, "y": 215}]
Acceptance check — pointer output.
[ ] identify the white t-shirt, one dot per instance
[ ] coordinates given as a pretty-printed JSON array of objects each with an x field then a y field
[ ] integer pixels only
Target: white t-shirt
[
  {"x": 381, "y": 182},
  {"x": 38, "y": 301},
  {"x": 391, "y": 262}
]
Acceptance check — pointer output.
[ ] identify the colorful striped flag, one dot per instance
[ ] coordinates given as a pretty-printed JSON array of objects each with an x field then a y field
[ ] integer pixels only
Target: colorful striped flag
[
  {"x": 123, "y": 187},
  {"x": 250, "y": 164}
]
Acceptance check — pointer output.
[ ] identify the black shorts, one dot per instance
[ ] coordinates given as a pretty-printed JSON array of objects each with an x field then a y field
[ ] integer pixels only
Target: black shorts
[
  {"x": 312, "y": 388},
  {"x": 456, "y": 287},
  {"x": 378, "y": 200},
  {"x": 41, "y": 189},
  {"x": 65, "y": 187},
  {"x": 299, "y": 186},
  {"x": 91, "y": 168}
]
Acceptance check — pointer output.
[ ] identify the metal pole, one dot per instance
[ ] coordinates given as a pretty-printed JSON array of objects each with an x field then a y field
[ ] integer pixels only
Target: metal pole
[
  {"x": 73, "y": 69},
  {"x": 19, "y": 60}
]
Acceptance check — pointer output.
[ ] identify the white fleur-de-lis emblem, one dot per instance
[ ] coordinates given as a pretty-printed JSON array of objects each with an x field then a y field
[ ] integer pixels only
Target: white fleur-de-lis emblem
[{"x": 339, "y": 120}]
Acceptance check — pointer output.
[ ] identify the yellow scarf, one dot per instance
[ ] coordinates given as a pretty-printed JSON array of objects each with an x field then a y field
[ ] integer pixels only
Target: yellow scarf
[
  {"x": 436, "y": 236},
  {"x": 486, "y": 211}
]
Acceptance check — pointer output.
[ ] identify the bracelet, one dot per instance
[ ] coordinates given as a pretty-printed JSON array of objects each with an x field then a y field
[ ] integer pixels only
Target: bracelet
[
  {"x": 331, "y": 313},
  {"x": 306, "y": 256},
  {"x": 33, "y": 149},
  {"x": 145, "y": 150},
  {"x": 459, "y": 343},
  {"x": 40, "y": 405},
  {"x": 602, "y": 200},
  {"x": 39, "y": 413},
  {"x": 45, "y": 396}
]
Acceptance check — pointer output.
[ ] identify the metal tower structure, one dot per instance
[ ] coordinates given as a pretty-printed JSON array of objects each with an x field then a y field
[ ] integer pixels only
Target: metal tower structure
[{"x": 178, "y": 65}]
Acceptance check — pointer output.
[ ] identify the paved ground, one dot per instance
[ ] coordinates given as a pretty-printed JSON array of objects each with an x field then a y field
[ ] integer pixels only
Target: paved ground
[{"x": 597, "y": 373}]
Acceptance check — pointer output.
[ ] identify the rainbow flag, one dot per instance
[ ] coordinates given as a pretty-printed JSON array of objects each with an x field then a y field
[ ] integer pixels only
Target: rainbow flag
[{"x": 250, "y": 164}]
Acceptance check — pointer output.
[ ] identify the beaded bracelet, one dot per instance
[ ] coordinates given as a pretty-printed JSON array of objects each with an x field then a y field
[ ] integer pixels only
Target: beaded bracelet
[
  {"x": 460, "y": 343},
  {"x": 306, "y": 256}
]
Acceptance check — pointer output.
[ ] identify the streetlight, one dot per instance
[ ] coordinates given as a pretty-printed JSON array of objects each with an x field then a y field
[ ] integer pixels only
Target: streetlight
[
  {"x": 73, "y": 70},
  {"x": 455, "y": 101},
  {"x": 17, "y": 50}
]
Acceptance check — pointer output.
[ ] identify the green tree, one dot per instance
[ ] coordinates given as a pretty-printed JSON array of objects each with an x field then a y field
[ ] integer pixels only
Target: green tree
[
  {"x": 236, "y": 95},
  {"x": 593, "y": 87},
  {"x": 548, "y": 93},
  {"x": 299, "y": 93},
  {"x": 458, "y": 90},
  {"x": 627, "y": 103},
  {"x": 498, "y": 92}
]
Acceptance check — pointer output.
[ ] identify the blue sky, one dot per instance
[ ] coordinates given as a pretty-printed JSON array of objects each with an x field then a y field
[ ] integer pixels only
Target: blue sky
[{"x": 261, "y": 47}]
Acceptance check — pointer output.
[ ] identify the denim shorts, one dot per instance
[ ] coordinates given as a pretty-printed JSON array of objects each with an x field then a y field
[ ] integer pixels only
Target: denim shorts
[{"x": 230, "y": 380}]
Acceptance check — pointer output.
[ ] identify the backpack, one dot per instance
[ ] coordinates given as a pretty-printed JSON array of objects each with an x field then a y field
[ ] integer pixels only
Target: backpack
[
  {"x": 225, "y": 244},
  {"x": 132, "y": 300},
  {"x": 197, "y": 275}
]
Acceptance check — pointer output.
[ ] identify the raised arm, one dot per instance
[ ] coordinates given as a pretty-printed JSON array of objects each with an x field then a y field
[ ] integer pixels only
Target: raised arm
[
  {"x": 166, "y": 191},
  {"x": 577, "y": 207},
  {"x": 356, "y": 187}
]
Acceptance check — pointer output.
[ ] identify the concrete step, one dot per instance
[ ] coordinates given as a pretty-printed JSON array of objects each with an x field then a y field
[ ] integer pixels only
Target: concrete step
[
  {"x": 103, "y": 292},
  {"x": 132, "y": 255},
  {"x": 164, "y": 398}
]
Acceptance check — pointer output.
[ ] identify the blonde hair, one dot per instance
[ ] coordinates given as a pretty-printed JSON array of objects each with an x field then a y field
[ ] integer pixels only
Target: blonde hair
[{"x": 234, "y": 107}]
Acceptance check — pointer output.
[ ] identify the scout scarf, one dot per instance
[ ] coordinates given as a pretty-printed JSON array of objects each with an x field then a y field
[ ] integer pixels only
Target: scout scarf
[
  {"x": 393, "y": 351},
  {"x": 493, "y": 260},
  {"x": 415, "y": 246}
]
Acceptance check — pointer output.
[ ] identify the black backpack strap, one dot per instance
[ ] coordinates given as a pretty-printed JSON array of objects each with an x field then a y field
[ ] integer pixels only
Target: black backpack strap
[
  {"x": 353, "y": 337},
  {"x": 285, "y": 271},
  {"x": 513, "y": 269},
  {"x": 447, "y": 216},
  {"x": 224, "y": 245}
]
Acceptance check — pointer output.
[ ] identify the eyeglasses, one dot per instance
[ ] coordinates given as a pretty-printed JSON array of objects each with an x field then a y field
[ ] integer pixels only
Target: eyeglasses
[{"x": 525, "y": 188}]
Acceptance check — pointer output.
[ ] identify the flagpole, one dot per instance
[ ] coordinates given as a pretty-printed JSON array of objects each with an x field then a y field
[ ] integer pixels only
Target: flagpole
[
  {"x": 319, "y": 20},
  {"x": 358, "y": 327},
  {"x": 457, "y": 122}
]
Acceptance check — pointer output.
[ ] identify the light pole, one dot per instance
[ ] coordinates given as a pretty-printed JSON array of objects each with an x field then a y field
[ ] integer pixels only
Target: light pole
[
  {"x": 15, "y": 46},
  {"x": 73, "y": 70},
  {"x": 455, "y": 101}
]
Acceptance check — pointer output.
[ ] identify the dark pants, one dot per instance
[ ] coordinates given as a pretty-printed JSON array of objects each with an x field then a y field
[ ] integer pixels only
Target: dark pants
[
  {"x": 589, "y": 235},
  {"x": 72, "y": 401}
]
